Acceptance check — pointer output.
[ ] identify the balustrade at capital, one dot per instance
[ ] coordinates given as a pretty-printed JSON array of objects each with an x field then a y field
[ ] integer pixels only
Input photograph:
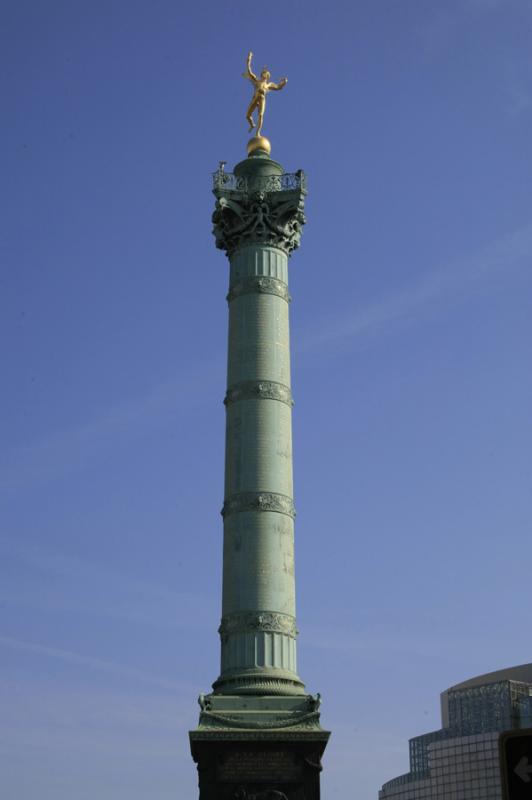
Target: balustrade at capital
[{"x": 231, "y": 182}]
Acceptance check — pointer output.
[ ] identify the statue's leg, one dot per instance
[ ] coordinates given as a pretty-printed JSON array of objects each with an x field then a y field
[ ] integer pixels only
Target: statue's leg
[
  {"x": 249, "y": 112},
  {"x": 260, "y": 116},
  {"x": 259, "y": 123}
]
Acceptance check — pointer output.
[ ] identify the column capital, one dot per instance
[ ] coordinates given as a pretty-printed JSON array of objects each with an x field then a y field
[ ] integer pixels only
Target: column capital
[{"x": 258, "y": 210}]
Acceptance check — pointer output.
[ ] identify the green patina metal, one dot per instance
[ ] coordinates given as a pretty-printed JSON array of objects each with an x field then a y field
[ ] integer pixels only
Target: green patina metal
[{"x": 258, "y": 220}]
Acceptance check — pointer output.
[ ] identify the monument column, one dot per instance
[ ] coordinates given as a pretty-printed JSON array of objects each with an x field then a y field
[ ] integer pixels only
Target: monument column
[
  {"x": 257, "y": 221},
  {"x": 259, "y": 735}
]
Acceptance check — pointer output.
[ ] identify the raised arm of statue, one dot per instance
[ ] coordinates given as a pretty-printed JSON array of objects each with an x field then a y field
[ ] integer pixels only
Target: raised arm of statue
[
  {"x": 276, "y": 86},
  {"x": 248, "y": 73}
]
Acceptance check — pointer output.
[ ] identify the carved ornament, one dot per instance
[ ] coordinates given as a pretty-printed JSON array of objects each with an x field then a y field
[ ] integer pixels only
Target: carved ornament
[
  {"x": 211, "y": 719},
  {"x": 259, "y": 390},
  {"x": 251, "y": 621},
  {"x": 212, "y": 733},
  {"x": 270, "y": 218},
  {"x": 263, "y": 285},
  {"x": 259, "y": 501},
  {"x": 267, "y": 794}
]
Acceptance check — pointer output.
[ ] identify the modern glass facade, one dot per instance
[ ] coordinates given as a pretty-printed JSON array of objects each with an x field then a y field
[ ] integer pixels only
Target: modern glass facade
[{"x": 461, "y": 760}]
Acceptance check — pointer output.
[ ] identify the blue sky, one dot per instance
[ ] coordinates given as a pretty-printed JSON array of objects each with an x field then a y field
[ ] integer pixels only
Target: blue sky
[{"x": 411, "y": 331}]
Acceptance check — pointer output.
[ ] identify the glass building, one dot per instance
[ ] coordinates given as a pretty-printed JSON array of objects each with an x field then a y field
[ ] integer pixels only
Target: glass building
[{"x": 461, "y": 760}]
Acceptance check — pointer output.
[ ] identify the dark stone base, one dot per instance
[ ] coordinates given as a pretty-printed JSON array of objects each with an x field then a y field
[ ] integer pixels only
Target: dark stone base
[{"x": 272, "y": 765}]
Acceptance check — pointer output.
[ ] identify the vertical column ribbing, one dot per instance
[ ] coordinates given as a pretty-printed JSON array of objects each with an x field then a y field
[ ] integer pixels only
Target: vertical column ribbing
[
  {"x": 257, "y": 221},
  {"x": 258, "y": 608},
  {"x": 259, "y": 732}
]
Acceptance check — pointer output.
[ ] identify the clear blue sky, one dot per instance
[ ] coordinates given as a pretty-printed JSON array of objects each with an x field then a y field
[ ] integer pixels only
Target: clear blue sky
[{"x": 411, "y": 338}]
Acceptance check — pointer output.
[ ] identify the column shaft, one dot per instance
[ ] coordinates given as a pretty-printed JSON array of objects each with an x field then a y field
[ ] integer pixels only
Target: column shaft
[{"x": 258, "y": 608}]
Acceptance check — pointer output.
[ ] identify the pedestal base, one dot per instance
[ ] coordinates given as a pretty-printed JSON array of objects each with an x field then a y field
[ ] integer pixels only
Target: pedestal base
[
  {"x": 259, "y": 766},
  {"x": 259, "y": 748}
]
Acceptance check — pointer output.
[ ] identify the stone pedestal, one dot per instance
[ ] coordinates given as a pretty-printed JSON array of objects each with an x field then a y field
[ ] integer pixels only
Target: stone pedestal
[
  {"x": 258, "y": 747},
  {"x": 259, "y": 766}
]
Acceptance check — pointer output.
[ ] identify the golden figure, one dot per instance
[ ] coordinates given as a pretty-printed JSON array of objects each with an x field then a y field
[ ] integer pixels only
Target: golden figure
[{"x": 262, "y": 85}]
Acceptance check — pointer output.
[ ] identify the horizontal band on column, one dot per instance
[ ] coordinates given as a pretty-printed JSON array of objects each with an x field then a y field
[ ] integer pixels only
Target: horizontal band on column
[
  {"x": 252, "y": 621},
  {"x": 259, "y": 501},
  {"x": 259, "y": 682},
  {"x": 259, "y": 390},
  {"x": 259, "y": 285}
]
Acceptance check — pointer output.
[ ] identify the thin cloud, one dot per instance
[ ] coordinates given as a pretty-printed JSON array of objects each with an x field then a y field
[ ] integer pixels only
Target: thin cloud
[
  {"x": 484, "y": 5},
  {"x": 64, "y": 450},
  {"x": 449, "y": 283},
  {"x": 90, "y": 662},
  {"x": 437, "y": 29},
  {"x": 372, "y": 644},
  {"x": 519, "y": 100},
  {"x": 120, "y": 596},
  {"x": 56, "y": 716}
]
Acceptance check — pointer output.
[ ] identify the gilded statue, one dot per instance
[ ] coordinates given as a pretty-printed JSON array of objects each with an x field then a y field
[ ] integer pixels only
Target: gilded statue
[{"x": 262, "y": 85}]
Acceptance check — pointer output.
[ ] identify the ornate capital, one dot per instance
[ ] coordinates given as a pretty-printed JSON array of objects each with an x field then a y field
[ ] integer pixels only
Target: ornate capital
[
  {"x": 252, "y": 621},
  {"x": 259, "y": 501},
  {"x": 272, "y": 218},
  {"x": 259, "y": 390}
]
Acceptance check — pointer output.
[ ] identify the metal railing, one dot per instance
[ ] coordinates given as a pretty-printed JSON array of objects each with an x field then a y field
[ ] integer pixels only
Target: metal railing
[{"x": 228, "y": 181}]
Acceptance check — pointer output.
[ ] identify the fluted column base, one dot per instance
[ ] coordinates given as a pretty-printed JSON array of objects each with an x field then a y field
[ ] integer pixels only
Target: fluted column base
[{"x": 259, "y": 681}]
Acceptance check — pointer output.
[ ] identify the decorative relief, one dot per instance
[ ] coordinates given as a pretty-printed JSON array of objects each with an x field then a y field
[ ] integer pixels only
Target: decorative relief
[
  {"x": 261, "y": 390},
  {"x": 314, "y": 701},
  {"x": 263, "y": 285},
  {"x": 259, "y": 501},
  {"x": 245, "y": 766},
  {"x": 210, "y": 719},
  {"x": 317, "y": 765},
  {"x": 205, "y": 702},
  {"x": 228, "y": 181},
  {"x": 267, "y": 794},
  {"x": 313, "y": 732},
  {"x": 274, "y": 218},
  {"x": 266, "y": 621},
  {"x": 258, "y": 684}
]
